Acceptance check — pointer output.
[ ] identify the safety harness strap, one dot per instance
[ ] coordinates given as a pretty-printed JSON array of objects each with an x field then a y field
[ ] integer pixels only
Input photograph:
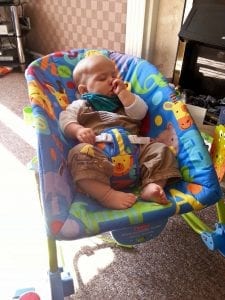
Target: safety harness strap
[{"x": 134, "y": 139}]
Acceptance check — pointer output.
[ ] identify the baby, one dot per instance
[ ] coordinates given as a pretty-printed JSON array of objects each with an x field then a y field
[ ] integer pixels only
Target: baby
[{"x": 106, "y": 103}]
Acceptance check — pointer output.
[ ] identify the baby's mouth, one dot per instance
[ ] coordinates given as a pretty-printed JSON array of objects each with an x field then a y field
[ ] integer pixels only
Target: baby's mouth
[{"x": 111, "y": 92}]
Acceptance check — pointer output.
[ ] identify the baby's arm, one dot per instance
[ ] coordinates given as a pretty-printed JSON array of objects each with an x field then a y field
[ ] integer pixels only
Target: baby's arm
[
  {"x": 70, "y": 126},
  {"x": 125, "y": 96},
  {"x": 77, "y": 131},
  {"x": 134, "y": 106}
]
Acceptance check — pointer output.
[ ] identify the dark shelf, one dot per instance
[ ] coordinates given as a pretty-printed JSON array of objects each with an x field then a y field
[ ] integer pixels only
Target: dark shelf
[{"x": 16, "y": 34}]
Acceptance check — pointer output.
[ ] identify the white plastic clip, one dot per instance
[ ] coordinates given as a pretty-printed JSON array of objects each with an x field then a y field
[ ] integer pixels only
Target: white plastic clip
[{"x": 104, "y": 137}]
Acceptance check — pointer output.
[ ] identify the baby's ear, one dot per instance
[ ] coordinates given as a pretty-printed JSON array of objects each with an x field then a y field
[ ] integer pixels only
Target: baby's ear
[{"x": 82, "y": 89}]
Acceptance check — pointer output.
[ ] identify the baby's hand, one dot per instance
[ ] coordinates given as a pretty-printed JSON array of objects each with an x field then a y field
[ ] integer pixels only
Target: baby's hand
[
  {"x": 85, "y": 135},
  {"x": 118, "y": 86}
]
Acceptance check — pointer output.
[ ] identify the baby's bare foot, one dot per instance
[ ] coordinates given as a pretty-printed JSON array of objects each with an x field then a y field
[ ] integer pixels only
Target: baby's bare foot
[
  {"x": 154, "y": 192},
  {"x": 118, "y": 200}
]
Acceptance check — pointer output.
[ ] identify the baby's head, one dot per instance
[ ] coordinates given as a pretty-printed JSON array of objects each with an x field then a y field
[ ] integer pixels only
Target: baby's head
[{"x": 95, "y": 74}]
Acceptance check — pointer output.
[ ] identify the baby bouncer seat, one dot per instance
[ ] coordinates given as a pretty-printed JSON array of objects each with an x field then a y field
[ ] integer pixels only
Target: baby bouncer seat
[{"x": 71, "y": 215}]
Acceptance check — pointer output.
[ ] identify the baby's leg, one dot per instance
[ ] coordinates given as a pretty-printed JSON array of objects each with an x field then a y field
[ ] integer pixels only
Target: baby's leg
[
  {"x": 157, "y": 161},
  {"x": 105, "y": 195},
  {"x": 154, "y": 192}
]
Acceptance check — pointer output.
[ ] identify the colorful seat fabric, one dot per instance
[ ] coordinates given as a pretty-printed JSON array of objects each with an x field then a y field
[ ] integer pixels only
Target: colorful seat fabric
[{"x": 72, "y": 215}]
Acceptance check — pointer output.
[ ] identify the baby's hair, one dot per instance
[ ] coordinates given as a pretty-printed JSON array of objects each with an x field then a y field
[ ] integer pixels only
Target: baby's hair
[
  {"x": 82, "y": 68},
  {"x": 78, "y": 72}
]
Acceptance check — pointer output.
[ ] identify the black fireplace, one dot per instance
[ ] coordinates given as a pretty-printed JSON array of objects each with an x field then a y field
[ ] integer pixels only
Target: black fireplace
[{"x": 200, "y": 65}]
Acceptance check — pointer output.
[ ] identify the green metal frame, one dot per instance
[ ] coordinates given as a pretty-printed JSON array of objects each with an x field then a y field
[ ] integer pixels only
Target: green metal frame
[
  {"x": 200, "y": 226},
  {"x": 214, "y": 238}
]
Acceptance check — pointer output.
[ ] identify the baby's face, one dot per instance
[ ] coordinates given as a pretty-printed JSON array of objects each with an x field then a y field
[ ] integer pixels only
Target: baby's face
[{"x": 101, "y": 76}]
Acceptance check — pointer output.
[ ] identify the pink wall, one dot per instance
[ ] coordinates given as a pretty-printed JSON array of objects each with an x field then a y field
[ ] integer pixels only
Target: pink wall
[{"x": 76, "y": 24}]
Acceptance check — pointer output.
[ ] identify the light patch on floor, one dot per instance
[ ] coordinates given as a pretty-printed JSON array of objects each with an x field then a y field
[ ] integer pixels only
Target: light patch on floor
[
  {"x": 17, "y": 125},
  {"x": 23, "y": 258},
  {"x": 99, "y": 260}
]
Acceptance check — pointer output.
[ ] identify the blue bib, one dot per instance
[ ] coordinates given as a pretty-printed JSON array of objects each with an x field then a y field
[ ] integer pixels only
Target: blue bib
[{"x": 102, "y": 102}]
